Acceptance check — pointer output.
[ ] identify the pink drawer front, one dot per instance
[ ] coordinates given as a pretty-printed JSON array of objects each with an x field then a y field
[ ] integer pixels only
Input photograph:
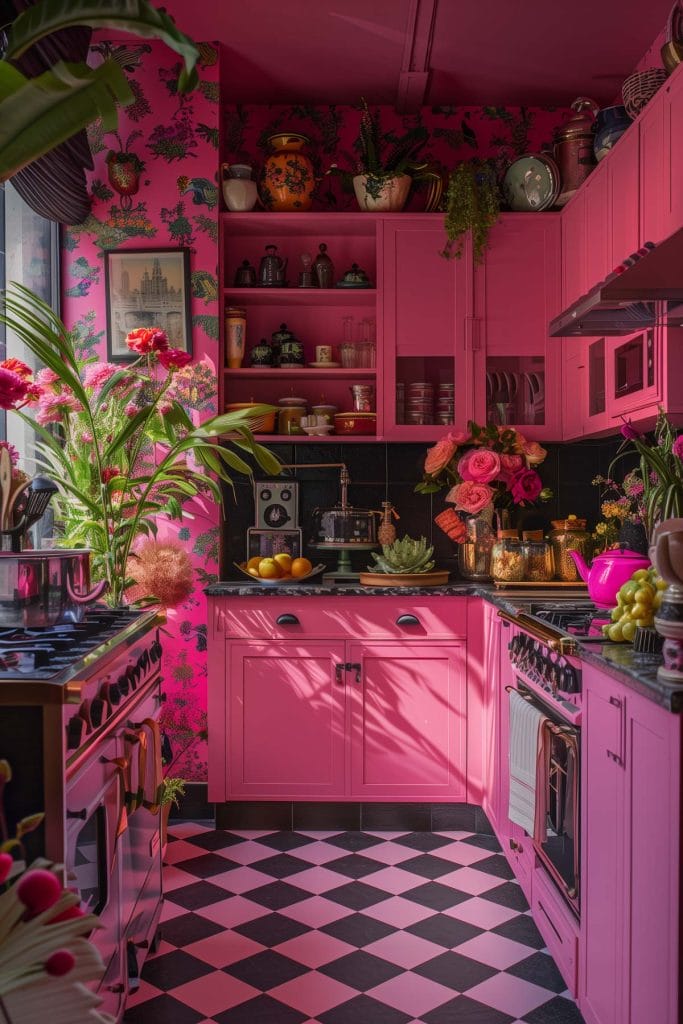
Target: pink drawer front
[
  {"x": 557, "y": 925},
  {"x": 284, "y": 618}
]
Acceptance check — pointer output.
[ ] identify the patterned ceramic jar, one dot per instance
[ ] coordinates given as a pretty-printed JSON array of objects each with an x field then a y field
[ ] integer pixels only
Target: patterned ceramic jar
[{"x": 288, "y": 179}]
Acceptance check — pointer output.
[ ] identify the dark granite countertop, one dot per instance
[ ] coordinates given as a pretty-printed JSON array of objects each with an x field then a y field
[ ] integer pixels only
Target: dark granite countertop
[{"x": 637, "y": 671}]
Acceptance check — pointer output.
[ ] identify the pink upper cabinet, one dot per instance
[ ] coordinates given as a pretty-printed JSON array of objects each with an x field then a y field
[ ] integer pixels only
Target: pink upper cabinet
[
  {"x": 517, "y": 372},
  {"x": 427, "y": 329}
]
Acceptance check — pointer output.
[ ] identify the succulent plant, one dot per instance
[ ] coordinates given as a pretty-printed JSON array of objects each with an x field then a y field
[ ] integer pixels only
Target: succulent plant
[{"x": 404, "y": 556}]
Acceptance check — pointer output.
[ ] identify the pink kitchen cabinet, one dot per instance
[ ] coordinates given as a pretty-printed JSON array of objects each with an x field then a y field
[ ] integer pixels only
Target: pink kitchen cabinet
[
  {"x": 483, "y": 679},
  {"x": 596, "y": 204},
  {"x": 621, "y": 166},
  {"x": 574, "y": 386},
  {"x": 574, "y": 277},
  {"x": 671, "y": 98},
  {"x": 630, "y": 856},
  {"x": 429, "y": 332},
  {"x": 517, "y": 291},
  {"x": 408, "y": 716},
  {"x": 287, "y": 710}
]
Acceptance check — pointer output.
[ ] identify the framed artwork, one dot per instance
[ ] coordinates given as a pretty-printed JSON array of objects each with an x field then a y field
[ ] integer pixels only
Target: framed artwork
[{"x": 147, "y": 288}]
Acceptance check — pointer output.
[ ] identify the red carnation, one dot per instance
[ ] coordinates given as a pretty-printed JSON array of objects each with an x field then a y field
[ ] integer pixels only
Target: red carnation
[
  {"x": 16, "y": 366},
  {"x": 13, "y": 389},
  {"x": 144, "y": 340},
  {"x": 174, "y": 359}
]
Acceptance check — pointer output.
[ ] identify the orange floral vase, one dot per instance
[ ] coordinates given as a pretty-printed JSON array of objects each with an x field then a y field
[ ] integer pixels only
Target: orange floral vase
[{"x": 288, "y": 178}]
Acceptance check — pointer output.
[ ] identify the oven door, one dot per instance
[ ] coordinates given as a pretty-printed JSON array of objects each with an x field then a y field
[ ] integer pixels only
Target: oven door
[
  {"x": 558, "y": 846},
  {"x": 95, "y": 818}
]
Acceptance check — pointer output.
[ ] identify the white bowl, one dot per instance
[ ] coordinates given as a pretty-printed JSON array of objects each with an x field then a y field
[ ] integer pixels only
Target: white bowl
[{"x": 321, "y": 430}]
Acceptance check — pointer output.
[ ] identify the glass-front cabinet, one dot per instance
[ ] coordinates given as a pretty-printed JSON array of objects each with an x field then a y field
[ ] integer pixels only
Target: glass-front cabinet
[
  {"x": 427, "y": 328},
  {"x": 517, "y": 291}
]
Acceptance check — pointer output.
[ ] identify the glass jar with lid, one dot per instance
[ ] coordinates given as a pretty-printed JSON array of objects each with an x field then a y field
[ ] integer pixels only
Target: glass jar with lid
[
  {"x": 540, "y": 567},
  {"x": 567, "y": 535},
  {"x": 508, "y": 560}
]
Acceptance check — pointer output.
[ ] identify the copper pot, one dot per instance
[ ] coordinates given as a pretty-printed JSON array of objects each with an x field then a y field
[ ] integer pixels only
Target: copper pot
[{"x": 574, "y": 147}]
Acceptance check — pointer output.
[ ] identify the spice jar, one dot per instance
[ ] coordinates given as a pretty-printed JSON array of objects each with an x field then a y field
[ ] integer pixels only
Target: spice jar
[
  {"x": 540, "y": 567},
  {"x": 289, "y": 419},
  {"x": 567, "y": 535},
  {"x": 508, "y": 561},
  {"x": 235, "y": 336}
]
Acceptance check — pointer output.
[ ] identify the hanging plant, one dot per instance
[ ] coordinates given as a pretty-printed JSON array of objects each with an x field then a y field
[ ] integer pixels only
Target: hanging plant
[{"x": 472, "y": 204}]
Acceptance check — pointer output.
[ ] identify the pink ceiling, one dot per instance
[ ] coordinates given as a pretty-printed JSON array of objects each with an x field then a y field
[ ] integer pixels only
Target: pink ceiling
[{"x": 482, "y": 51}]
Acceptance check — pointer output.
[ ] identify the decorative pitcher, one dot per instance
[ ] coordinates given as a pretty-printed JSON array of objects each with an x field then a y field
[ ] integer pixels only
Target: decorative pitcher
[
  {"x": 288, "y": 178},
  {"x": 574, "y": 147},
  {"x": 239, "y": 191}
]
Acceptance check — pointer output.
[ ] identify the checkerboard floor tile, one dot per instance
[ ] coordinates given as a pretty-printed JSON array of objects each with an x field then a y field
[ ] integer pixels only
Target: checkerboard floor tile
[{"x": 345, "y": 928}]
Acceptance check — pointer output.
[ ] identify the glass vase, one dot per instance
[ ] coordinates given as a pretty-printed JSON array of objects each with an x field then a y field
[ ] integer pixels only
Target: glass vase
[{"x": 474, "y": 555}]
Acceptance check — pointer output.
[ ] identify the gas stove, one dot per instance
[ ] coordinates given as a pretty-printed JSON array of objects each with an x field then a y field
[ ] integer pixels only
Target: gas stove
[{"x": 581, "y": 619}]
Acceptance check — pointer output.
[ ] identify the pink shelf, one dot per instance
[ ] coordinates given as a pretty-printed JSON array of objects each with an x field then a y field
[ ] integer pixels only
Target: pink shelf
[
  {"x": 305, "y": 372},
  {"x": 305, "y": 439},
  {"x": 301, "y": 296}
]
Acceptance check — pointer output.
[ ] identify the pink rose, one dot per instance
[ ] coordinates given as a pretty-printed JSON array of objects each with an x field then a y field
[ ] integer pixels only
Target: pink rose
[
  {"x": 480, "y": 464},
  {"x": 440, "y": 455},
  {"x": 525, "y": 486},
  {"x": 677, "y": 446},
  {"x": 470, "y": 496},
  {"x": 533, "y": 453},
  {"x": 510, "y": 464},
  {"x": 144, "y": 340}
]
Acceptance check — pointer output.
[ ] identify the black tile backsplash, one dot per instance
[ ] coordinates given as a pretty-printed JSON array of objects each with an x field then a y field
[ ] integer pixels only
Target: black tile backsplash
[{"x": 381, "y": 472}]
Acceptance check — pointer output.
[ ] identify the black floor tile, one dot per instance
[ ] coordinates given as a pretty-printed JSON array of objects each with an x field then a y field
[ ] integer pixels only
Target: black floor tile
[
  {"x": 496, "y": 864},
  {"x": 364, "y": 1010},
  {"x": 277, "y": 895},
  {"x": 509, "y": 894},
  {"x": 266, "y": 970},
  {"x": 217, "y": 840},
  {"x": 556, "y": 1011},
  {"x": 271, "y": 929},
  {"x": 260, "y": 1010},
  {"x": 463, "y": 1010},
  {"x": 436, "y": 896},
  {"x": 354, "y": 842},
  {"x": 429, "y": 865},
  {"x": 540, "y": 969},
  {"x": 356, "y": 895},
  {"x": 181, "y": 931},
  {"x": 280, "y": 865},
  {"x": 358, "y": 929},
  {"x": 521, "y": 929},
  {"x": 198, "y": 895},
  {"x": 173, "y": 969},
  {"x": 455, "y": 971},
  {"x": 422, "y": 842},
  {"x": 361, "y": 970},
  {"x": 162, "y": 1010},
  {"x": 354, "y": 865},
  {"x": 207, "y": 865},
  {"x": 285, "y": 841},
  {"x": 444, "y": 930},
  {"x": 485, "y": 842}
]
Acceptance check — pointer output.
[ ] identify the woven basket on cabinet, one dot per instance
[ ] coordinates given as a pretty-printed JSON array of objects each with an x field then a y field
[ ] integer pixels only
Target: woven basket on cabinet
[{"x": 639, "y": 88}]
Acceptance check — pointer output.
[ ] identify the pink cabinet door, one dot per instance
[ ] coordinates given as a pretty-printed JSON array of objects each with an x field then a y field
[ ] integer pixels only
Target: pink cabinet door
[
  {"x": 286, "y": 720},
  {"x": 427, "y": 320},
  {"x": 517, "y": 293},
  {"x": 603, "y": 907},
  {"x": 672, "y": 101},
  {"x": 624, "y": 199},
  {"x": 408, "y": 721},
  {"x": 574, "y": 278},
  {"x": 596, "y": 212},
  {"x": 652, "y": 846},
  {"x": 653, "y": 172},
  {"x": 574, "y": 386}
]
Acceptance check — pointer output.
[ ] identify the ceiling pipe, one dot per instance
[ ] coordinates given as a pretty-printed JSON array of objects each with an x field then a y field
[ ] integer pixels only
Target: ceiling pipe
[{"x": 413, "y": 80}]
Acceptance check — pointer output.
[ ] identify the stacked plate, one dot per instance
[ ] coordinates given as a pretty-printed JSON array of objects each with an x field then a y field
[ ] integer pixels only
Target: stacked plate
[
  {"x": 420, "y": 402},
  {"x": 445, "y": 404}
]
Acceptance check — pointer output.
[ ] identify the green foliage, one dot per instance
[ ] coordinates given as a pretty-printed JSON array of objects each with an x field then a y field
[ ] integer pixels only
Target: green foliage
[
  {"x": 404, "y": 555},
  {"x": 660, "y": 469},
  {"x": 127, "y": 450},
  {"x": 472, "y": 204},
  {"x": 171, "y": 789}
]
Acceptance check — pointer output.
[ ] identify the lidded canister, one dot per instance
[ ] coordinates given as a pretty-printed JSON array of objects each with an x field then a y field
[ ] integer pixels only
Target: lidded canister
[
  {"x": 235, "y": 336},
  {"x": 573, "y": 150},
  {"x": 508, "y": 561},
  {"x": 540, "y": 567}
]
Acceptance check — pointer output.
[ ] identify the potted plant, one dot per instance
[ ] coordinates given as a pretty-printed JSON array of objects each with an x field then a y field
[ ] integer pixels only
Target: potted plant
[
  {"x": 472, "y": 204},
  {"x": 172, "y": 789},
  {"x": 386, "y": 166}
]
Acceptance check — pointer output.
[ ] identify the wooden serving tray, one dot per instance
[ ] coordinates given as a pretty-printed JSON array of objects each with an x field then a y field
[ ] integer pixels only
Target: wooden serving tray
[{"x": 404, "y": 579}]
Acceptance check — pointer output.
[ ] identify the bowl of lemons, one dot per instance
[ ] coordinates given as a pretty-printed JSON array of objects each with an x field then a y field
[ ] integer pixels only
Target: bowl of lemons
[{"x": 279, "y": 570}]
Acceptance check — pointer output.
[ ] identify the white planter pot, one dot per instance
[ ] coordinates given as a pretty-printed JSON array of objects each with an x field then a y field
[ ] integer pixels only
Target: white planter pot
[{"x": 386, "y": 195}]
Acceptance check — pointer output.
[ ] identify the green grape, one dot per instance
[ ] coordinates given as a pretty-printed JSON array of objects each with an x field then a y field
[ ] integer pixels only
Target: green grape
[
  {"x": 645, "y": 594},
  {"x": 615, "y": 633},
  {"x": 628, "y": 631},
  {"x": 641, "y": 574},
  {"x": 615, "y": 614}
]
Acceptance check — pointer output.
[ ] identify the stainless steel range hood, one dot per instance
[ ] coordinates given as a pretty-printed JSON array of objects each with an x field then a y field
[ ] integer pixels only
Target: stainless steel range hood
[{"x": 648, "y": 289}]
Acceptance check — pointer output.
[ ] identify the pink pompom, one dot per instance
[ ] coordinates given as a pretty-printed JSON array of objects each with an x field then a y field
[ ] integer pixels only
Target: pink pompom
[
  {"x": 39, "y": 890},
  {"x": 5, "y": 866},
  {"x": 60, "y": 963}
]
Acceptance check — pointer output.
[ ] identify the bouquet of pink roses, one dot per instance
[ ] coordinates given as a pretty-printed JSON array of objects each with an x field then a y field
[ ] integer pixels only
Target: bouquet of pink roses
[{"x": 486, "y": 466}]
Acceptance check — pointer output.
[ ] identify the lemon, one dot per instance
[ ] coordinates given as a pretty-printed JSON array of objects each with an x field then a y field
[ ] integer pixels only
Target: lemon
[
  {"x": 268, "y": 569},
  {"x": 284, "y": 560}
]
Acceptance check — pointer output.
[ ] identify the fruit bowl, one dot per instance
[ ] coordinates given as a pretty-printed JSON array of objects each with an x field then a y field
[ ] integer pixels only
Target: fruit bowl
[{"x": 288, "y": 581}]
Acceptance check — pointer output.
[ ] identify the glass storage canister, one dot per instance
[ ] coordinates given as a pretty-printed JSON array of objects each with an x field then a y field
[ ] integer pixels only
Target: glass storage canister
[
  {"x": 235, "y": 336},
  {"x": 540, "y": 567},
  {"x": 508, "y": 560},
  {"x": 567, "y": 535},
  {"x": 474, "y": 555}
]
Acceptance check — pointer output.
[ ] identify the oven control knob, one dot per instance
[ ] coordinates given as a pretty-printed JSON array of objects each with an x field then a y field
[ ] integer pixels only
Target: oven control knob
[
  {"x": 75, "y": 732},
  {"x": 132, "y": 674},
  {"x": 114, "y": 694},
  {"x": 96, "y": 711},
  {"x": 570, "y": 681},
  {"x": 123, "y": 683}
]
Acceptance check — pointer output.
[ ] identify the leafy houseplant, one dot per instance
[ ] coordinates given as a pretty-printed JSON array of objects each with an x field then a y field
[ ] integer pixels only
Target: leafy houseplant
[
  {"x": 385, "y": 164},
  {"x": 38, "y": 114},
  {"x": 660, "y": 469},
  {"x": 125, "y": 449},
  {"x": 472, "y": 204}
]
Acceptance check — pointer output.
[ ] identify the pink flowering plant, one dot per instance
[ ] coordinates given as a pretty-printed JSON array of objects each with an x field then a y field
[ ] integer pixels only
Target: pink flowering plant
[
  {"x": 119, "y": 443},
  {"x": 485, "y": 466}
]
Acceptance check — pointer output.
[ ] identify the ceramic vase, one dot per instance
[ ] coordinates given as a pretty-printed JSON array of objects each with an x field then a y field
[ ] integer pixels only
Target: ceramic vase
[
  {"x": 288, "y": 178},
  {"x": 474, "y": 555},
  {"x": 610, "y": 125},
  {"x": 239, "y": 191},
  {"x": 381, "y": 195}
]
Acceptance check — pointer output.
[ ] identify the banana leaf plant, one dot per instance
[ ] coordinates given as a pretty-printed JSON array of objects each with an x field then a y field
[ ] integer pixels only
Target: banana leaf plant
[
  {"x": 37, "y": 114},
  {"x": 118, "y": 443}
]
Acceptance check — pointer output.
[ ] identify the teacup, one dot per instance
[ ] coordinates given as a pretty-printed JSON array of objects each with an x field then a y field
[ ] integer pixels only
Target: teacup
[{"x": 323, "y": 353}]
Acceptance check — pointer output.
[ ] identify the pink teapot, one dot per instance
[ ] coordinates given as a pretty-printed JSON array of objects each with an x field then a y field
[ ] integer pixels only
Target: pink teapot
[{"x": 608, "y": 572}]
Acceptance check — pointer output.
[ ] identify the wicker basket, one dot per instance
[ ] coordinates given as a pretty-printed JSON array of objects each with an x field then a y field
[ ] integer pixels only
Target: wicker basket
[{"x": 639, "y": 88}]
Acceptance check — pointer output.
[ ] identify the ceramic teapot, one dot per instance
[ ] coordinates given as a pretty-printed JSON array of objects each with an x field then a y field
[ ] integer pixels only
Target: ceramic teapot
[
  {"x": 291, "y": 349},
  {"x": 272, "y": 269},
  {"x": 608, "y": 572}
]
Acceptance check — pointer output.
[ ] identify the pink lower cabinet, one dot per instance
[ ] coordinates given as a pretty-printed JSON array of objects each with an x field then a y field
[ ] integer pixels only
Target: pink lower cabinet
[
  {"x": 287, "y": 709},
  {"x": 630, "y": 851},
  {"x": 408, "y": 718}
]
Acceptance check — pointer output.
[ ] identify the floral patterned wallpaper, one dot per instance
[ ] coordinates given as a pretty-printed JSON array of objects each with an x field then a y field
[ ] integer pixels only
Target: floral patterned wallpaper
[{"x": 155, "y": 184}]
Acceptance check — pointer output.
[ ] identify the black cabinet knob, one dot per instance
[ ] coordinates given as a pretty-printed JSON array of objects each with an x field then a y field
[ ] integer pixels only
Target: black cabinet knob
[
  {"x": 407, "y": 620},
  {"x": 287, "y": 620}
]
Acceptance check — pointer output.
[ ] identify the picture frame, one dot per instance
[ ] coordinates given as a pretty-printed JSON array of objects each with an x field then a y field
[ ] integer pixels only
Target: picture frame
[{"x": 147, "y": 288}]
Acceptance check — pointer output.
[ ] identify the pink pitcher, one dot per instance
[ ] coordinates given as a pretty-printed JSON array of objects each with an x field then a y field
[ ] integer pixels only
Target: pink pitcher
[{"x": 608, "y": 572}]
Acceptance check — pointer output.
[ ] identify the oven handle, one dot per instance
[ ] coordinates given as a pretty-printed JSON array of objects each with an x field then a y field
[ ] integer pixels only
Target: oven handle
[
  {"x": 134, "y": 800},
  {"x": 546, "y": 635},
  {"x": 547, "y": 724},
  {"x": 152, "y": 803},
  {"x": 122, "y": 769}
]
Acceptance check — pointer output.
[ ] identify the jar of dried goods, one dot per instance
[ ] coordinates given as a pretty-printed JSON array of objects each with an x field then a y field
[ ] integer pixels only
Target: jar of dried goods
[{"x": 567, "y": 535}]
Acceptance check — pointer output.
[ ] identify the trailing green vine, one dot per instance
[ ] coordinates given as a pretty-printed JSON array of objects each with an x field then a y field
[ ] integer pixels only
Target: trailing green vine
[{"x": 472, "y": 204}]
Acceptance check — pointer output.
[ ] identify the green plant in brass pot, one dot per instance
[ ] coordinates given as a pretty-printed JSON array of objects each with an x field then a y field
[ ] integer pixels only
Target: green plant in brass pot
[{"x": 472, "y": 204}]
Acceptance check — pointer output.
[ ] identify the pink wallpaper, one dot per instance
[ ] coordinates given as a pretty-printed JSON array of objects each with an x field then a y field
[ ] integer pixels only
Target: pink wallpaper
[{"x": 174, "y": 142}]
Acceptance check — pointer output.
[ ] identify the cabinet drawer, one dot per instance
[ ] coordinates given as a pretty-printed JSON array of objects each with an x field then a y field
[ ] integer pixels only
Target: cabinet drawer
[
  {"x": 331, "y": 617},
  {"x": 557, "y": 925}
]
